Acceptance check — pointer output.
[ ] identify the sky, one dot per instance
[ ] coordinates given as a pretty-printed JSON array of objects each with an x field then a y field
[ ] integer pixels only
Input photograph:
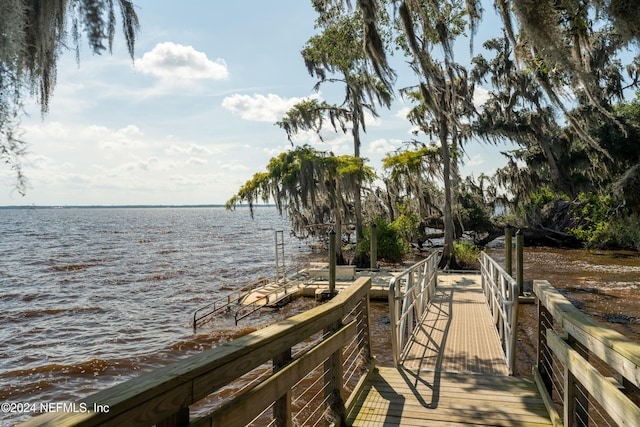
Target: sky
[{"x": 192, "y": 117}]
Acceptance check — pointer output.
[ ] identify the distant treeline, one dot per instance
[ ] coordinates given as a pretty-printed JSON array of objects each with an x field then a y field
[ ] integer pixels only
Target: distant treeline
[{"x": 126, "y": 206}]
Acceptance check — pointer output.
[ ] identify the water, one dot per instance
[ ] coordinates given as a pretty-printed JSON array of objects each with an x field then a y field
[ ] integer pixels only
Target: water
[
  {"x": 602, "y": 284},
  {"x": 91, "y": 297}
]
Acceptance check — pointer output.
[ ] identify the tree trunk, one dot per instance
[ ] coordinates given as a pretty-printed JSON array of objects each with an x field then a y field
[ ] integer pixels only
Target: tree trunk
[
  {"x": 448, "y": 259},
  {"x": 338, "y": 229},
  {"x": 360, "y": 259}
]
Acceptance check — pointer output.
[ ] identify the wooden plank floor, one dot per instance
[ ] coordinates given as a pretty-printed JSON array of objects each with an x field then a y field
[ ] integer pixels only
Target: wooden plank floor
[
  {"x": 457, "y": 334},
  {"x": 403, "y": 397},
  {"x": 453, "y": 373}
]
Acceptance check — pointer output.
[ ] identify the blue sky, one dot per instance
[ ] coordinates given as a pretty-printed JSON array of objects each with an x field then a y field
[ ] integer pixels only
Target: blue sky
[{"x": 192, "y": 118}]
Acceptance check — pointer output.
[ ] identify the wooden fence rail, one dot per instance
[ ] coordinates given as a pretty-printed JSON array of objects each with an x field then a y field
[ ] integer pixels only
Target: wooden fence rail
[
  {"x": 589, "y": 373},
  {"x": 310, "y": 347}
]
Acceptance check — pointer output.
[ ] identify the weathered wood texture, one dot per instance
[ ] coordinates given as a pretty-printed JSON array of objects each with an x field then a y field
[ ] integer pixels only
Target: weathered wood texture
[
  {"x": 453, "y": 371},
  {"x": 403, "y": 397},
  {"x": 457, "y": 334},
  {"x": 581, "y": 342},
  {"x": 157, "y": 396}
]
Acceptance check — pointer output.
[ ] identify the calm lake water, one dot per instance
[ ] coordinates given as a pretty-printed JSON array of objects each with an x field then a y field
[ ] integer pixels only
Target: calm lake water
[{"x": 92, "y": 297}]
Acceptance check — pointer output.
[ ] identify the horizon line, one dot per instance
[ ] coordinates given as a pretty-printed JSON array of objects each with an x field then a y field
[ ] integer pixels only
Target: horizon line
[{"x": 213, "y": 205}]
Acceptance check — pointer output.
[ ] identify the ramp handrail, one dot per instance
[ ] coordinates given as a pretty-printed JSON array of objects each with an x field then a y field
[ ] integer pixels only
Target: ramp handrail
[
  {"x": 501, "y": 292},
  {"x": 221, "y": 303},
  {"x": 409, "y": 295},
  {"x": 588, "y": 371},
  {"x": 270, "y": 298},
  {"x": 324, "y": 352}
]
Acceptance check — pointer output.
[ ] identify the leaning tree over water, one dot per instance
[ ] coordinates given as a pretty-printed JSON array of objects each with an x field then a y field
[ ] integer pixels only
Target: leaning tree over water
[
  {"x": 314, "y": 188},
  {"x": 34, "y": 33},
  {"x": 336, "y": 56}
]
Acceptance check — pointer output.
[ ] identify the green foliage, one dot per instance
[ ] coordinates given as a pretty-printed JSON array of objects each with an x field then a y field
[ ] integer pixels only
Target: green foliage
[
  {"x": 545, "y": 195},
  {"x": 467, "y": 255},
  {"x": 592, "y": 215},
  {"x": 34, "y": 34},
  {"x": 406, "y": 223},
  {"x": 391, "y": 245},
  {"x": 623, "y": 232}
]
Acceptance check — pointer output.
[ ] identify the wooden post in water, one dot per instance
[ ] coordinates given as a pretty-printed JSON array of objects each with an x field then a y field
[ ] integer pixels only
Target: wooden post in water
[
  {"x": 520, "y": 261},
  {"x": 374, "y": 246},
  {"x": 508, "y": 250},
  {"x": 332, "y": 263}
]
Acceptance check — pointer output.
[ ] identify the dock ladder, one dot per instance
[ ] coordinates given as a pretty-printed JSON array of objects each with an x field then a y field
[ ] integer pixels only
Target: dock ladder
[{"x": 280, "y": 267}]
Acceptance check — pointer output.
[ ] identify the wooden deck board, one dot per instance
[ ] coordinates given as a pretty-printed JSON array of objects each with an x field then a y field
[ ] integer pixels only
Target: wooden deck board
[
  {"x": 454, "y": 372},
  {"x": 457, "y": 335}
]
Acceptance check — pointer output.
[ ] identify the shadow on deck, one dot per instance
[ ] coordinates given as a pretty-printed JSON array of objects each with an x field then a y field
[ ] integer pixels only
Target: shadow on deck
[{"x": 452, "y": 372}]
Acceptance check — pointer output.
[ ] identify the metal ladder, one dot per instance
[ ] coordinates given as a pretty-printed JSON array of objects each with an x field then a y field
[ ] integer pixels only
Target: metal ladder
[{"x": 281, "y": 274}]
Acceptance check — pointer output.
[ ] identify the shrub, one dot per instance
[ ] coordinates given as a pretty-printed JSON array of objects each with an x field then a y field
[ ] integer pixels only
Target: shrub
[
  {"x": 391, "y": 246},
  {"x": 467, "y": 255},
  {"x": 592, "y": 214},
  {"x": 623, "y": 232}
]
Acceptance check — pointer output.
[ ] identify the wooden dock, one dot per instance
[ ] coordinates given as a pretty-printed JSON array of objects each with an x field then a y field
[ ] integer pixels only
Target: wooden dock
[
  {"x": 453, "y": 344},
  {"x": 453, "y": 371}
]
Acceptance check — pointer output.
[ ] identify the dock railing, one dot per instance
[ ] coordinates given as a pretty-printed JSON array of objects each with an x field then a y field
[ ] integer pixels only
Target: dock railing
[
  {"x": 305, "y": 370},
  {"x": 588, "y": 373},
  {"x": 501, "y": 291},
  {"x": 205, "y": 313},
  {"x": 409, "y": 294}
]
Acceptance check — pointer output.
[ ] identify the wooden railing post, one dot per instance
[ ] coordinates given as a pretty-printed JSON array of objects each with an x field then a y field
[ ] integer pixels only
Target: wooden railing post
[
  {"x": 180, "y": 419},
  {"x": 374, "y": 246},
  {"x": 282, "y": 406},
  {"x": 508, "y": 250},
  {"x": 576, "y": 404},
  {"x": 333, "y": 384},
  {"x": 520, "y": 261},
  {"x": 364, "y": 328},
  {"x": 332, "y": 262},
  {"x": 545, "y": 355}
]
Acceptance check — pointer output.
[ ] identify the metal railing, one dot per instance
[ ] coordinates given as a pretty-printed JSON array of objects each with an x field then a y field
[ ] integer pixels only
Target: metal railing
[
  {"x": 409, "y": 294},
  {"x": 588, "y": 374},
  {"x": 278, "y": 293},
  {"x": 203, "y": 314},
  {"x": 306, "y": 370},
  {"x": 501, "y": 291}
]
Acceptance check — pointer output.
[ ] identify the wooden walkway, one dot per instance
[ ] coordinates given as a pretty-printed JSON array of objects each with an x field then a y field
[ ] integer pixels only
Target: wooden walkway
[{"x": 454, "y": 372}]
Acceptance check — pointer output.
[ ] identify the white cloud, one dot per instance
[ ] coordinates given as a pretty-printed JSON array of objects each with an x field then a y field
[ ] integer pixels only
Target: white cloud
[
  {"x": 403, "y": 112},
  {"x": 260, "y": 108},
  {"x": 189, "y": 149},
  {"x": 196, "y": 161},
  {"x": 170, "y": 60},
  {"x": 475, "y": 160},
  {"x": 480, "y": 96},
  {"x": 384, "y": 146}
]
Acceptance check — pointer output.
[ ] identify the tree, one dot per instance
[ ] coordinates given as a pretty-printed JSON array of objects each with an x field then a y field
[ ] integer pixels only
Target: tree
[
  {"x": 34, "y": 34},
  {"x": 412, "y": 174},
  {"x": 445, "y": 93},
  {"x": 315, "y": 188},
  {"x": 445, "y": 89},
  {"x": 337, "y": 56}
]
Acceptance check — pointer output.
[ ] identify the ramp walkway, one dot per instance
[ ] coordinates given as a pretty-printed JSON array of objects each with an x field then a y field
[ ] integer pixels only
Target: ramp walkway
[{"x": 452, "y": 368}]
